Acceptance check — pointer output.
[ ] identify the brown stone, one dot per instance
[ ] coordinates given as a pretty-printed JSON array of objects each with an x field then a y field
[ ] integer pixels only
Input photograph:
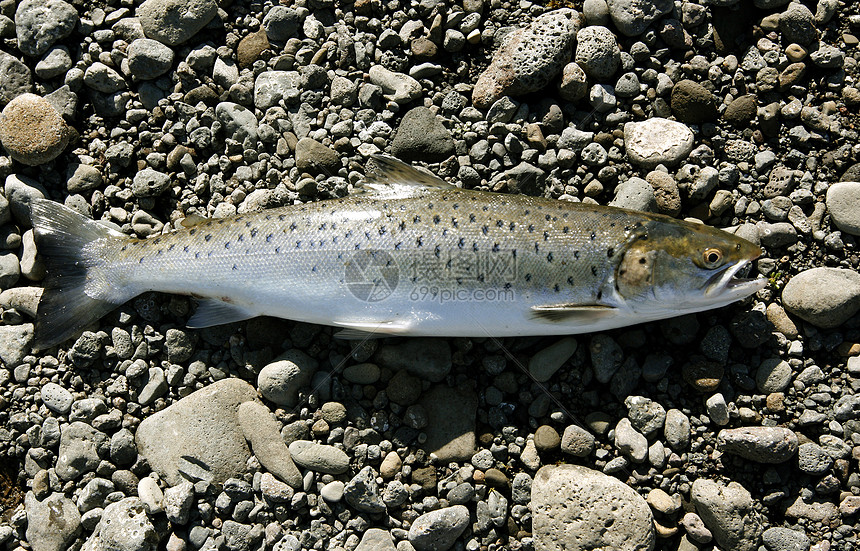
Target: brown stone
[
  {"x": 692, "y": 103},
  {"x": 702, "y": 374},
  {"x": 791, "y": 75},
  {"x": 251, "y": 47},
  {"x": 741, "y": 111},
  {"x": 32, "y": 131}
]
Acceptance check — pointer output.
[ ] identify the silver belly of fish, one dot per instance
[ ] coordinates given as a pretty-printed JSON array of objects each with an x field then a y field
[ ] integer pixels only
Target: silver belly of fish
[{"x": 413, "y": 256}]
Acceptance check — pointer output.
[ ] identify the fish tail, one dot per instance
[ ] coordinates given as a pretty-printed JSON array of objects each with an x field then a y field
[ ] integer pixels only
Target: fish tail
[{"x": 79, "y": 287}]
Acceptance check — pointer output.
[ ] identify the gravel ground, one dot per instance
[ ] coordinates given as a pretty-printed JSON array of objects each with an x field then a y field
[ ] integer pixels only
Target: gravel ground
[{"x": 736, "y": 429}]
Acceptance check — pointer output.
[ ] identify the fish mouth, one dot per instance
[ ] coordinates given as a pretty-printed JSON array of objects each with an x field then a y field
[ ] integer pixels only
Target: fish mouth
[{"x": 730, "y": 281}]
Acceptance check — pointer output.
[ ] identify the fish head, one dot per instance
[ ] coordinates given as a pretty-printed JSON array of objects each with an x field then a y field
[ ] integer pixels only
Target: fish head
[{"x": 685, "y": 267}]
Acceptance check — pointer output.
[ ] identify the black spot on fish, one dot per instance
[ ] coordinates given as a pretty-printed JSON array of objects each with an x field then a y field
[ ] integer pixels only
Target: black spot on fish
[
  {"x": 293, "y": 226},
  {"x": 528, "y": 277},
  {"x": 269, "y": 238},
  {"x": 495, "y": 248},
  {"x": 610, "y": 252},
  {"x": 455, "y": 205},
  {"x": 531, "y": 228},
  {"x": 570, "y": 280},
  {"x": 208, "y": 237},
  {"x": 576, "y": 254},
  {"x": 367, "y": 235},
  {"x": 593, "y": 236},
  {"x": 461, "y": 243},
  {"x": 526, "y": 212},
  {"x": 398, "y": 245},
  {"x": 419, "y": 241},
  {"x": 298, "y": 244},
  {"x": 485, "y": 208},
  {"x": 429, "y": 206},
  {"x": 500, "y": 223},
  {"x": 382, "y": 230},
  {"x": 513, "y": 226},
  {"x": 192, "y": 231},
  {"x": 594, "y": 270},
  {"x": 158, "y": 252},
  {"x": 455, "y": 223},
  {"x": 484, "y": 230},
  {"x": 227, "y": 245},
  {"x": 140, "y": 261},
  {"x": 314, "y": 269},
  {"x": 549, "y": 257},
  {"x": 171, "y": 247},
  {"x": 124, "y": 248},
  {"x": 416, "y": 219},
  {"x": 437, "y": 252},
  {"x": 235, "y": 267},
  {"x": 185, "y": 248},
  {"x": 548, "y": 217},
  {"x": 475, "y": 246},
  {"x": 196, "y": 255},
  {"x": 599, "y": 295},
  {"x": 277, "y": 250},
  {"x": 546, "y": 236},
  {"x": 401, "y": 226},
  {"x": 254, "y": 232},
  {"x": 565, "y": 229},
  {"x": 556, "y": 288},
  {"x": 436, "y": 219},
  {"x": 471, "y": 218},
  {"x": 240, "y": 238},
  {"x": 248, "y": 224},
  {"x": 537, "y": 247}
]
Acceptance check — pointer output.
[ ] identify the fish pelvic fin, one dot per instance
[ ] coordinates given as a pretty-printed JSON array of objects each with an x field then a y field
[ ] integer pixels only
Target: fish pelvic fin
[
  {"x": 79, "y": 288},
  {"x": 392, "y": 177},
  {"x": 572, "y": 313}
]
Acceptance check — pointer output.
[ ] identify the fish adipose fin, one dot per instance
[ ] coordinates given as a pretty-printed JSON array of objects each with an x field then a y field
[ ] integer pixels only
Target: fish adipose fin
[
  {"x": 212, "y": 311},
  {"x": 580, "y": 313},
  {"x": 78, "y": 287},
  {"x": 369, "y": 330},
  {"x": 394, "y": 178}
]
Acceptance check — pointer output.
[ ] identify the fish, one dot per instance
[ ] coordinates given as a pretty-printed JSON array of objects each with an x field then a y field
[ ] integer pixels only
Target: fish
[{"x": 407, "y": 254}]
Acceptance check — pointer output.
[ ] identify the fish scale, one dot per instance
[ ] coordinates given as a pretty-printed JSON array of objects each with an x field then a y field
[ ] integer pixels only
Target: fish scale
[{"x": 410, "y": 255}]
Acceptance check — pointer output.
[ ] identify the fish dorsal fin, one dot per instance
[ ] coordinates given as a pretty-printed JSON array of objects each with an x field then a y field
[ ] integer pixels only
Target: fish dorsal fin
[
  {"x": 192, "y": 220},
  {"x": 582, "y": 313},
  {"x": 392, "y": 177},
  {"x": 212, "y": 311}
]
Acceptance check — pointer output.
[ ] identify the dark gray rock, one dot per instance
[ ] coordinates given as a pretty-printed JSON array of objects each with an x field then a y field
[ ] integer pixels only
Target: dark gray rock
[{"x": 422, "y": 136}]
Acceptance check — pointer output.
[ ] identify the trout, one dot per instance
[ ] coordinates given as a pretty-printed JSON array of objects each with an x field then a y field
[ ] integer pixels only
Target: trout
[{"x": 410, "y": 254}]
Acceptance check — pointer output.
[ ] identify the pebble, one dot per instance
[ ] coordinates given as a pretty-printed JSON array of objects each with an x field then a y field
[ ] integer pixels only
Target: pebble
[
  {"x": 362, "y": 374},
  {"x": 376, "y": 539},
  {"x": 319, "y": 457},
  {"x": 396, "y": 87},
  {"x": 842, "y": 200},
  {"x": 422, "y": 136},
  {"x": 263, "y": 433},
  {"x": 825, "y": 297},
  {"x": 54, "y": 63},
  {"x": 281, "y": 23},
  {"x": 150, "y": 183},
  {"x": 692, "y": 103},
  {"x": 546, "y": 438},
  {"x": 315, "y": 158},
  {"x": 597, "y": 52},
  {"x": 773, "y": 375},
  {"x": 606, "y": 357},
  {"x": 635, "y": 194},
  {"x": 632, "y": 17},
  {"x": 646, "y": 415},
  {"x": 728, "y": 512},
  {"x": 333, "y": 491},
  {"x": 570, "y": 495},
  {"x": 631, "y": 442},
  {"x": 777, "y": 538},
  {"x": 124, "y": 526},
  {"x": 577, "y": 441},
  {"x": 56, "y": 398},
  {"x": 281, "y": 380},
  {"x": 32, "y": 131},
  {"x": 78, "y": 452},
  {"x": 52, "y": 523},
  {"x": 177, "y": 502},
  {"x": 104, "y": 79},
  {"x": 150, "y": 494},
  {"x": 529, "y": 58},
  {"x": 41, "y": 23},
  {"x": 544, "y": 364},
  {"x": 273, "y": 87},
  {"x": 760, "y": 444},
  {"x": 206, "y": 441},
  {"x": 574, "y": 83},
  {"x": 438, "y": 530},
  {"x": 17, "y": 79},
  {"x": 695, "y": 528},
  {"x": 813, "y": 459},
  {"x": 362, "y": 492},
  {"x": 657, "y": 141},
  {"x": 173, "y": 22},
  {"x": 148, "y": 59},
  {"x": 677, "y": 429}
]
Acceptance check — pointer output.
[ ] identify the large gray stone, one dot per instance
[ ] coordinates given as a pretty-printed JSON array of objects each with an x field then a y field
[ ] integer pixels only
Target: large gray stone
[
  {"x": 572, "y": 507},
  {"x": 761, "y": 444},
  {"x": 262, "y": 431},
  {"x": 40, "y": 23},
  {"x": 438, "y": 530},
  {"x": 632, "y": 17},
  {"x": 198, "y": 437},
  {"x": 843, "y": 204},
  {"x": 78, "y": 452}
]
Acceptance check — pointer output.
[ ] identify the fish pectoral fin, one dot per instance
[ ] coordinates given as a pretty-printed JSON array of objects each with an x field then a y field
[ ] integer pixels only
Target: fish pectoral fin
[
  {"x": 394, "y": 178},
  {"x": 582, "y": 313},
  {"x": 360, "y": 330},
  {"x": 192, "y": 220},
  {"x": 211, "y": 311}
]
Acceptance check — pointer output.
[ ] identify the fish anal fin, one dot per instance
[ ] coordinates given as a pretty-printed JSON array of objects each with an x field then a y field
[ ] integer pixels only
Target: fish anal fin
[
  {"x": 582, "y": 313},
  {"x": 211, "y": 311},
  {"x": 392, "y": 177},
  {"x": 360, "y": 330}
]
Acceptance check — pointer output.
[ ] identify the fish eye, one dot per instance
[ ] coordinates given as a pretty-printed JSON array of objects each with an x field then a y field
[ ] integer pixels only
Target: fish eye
[{"x": 712, "y": 257}]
